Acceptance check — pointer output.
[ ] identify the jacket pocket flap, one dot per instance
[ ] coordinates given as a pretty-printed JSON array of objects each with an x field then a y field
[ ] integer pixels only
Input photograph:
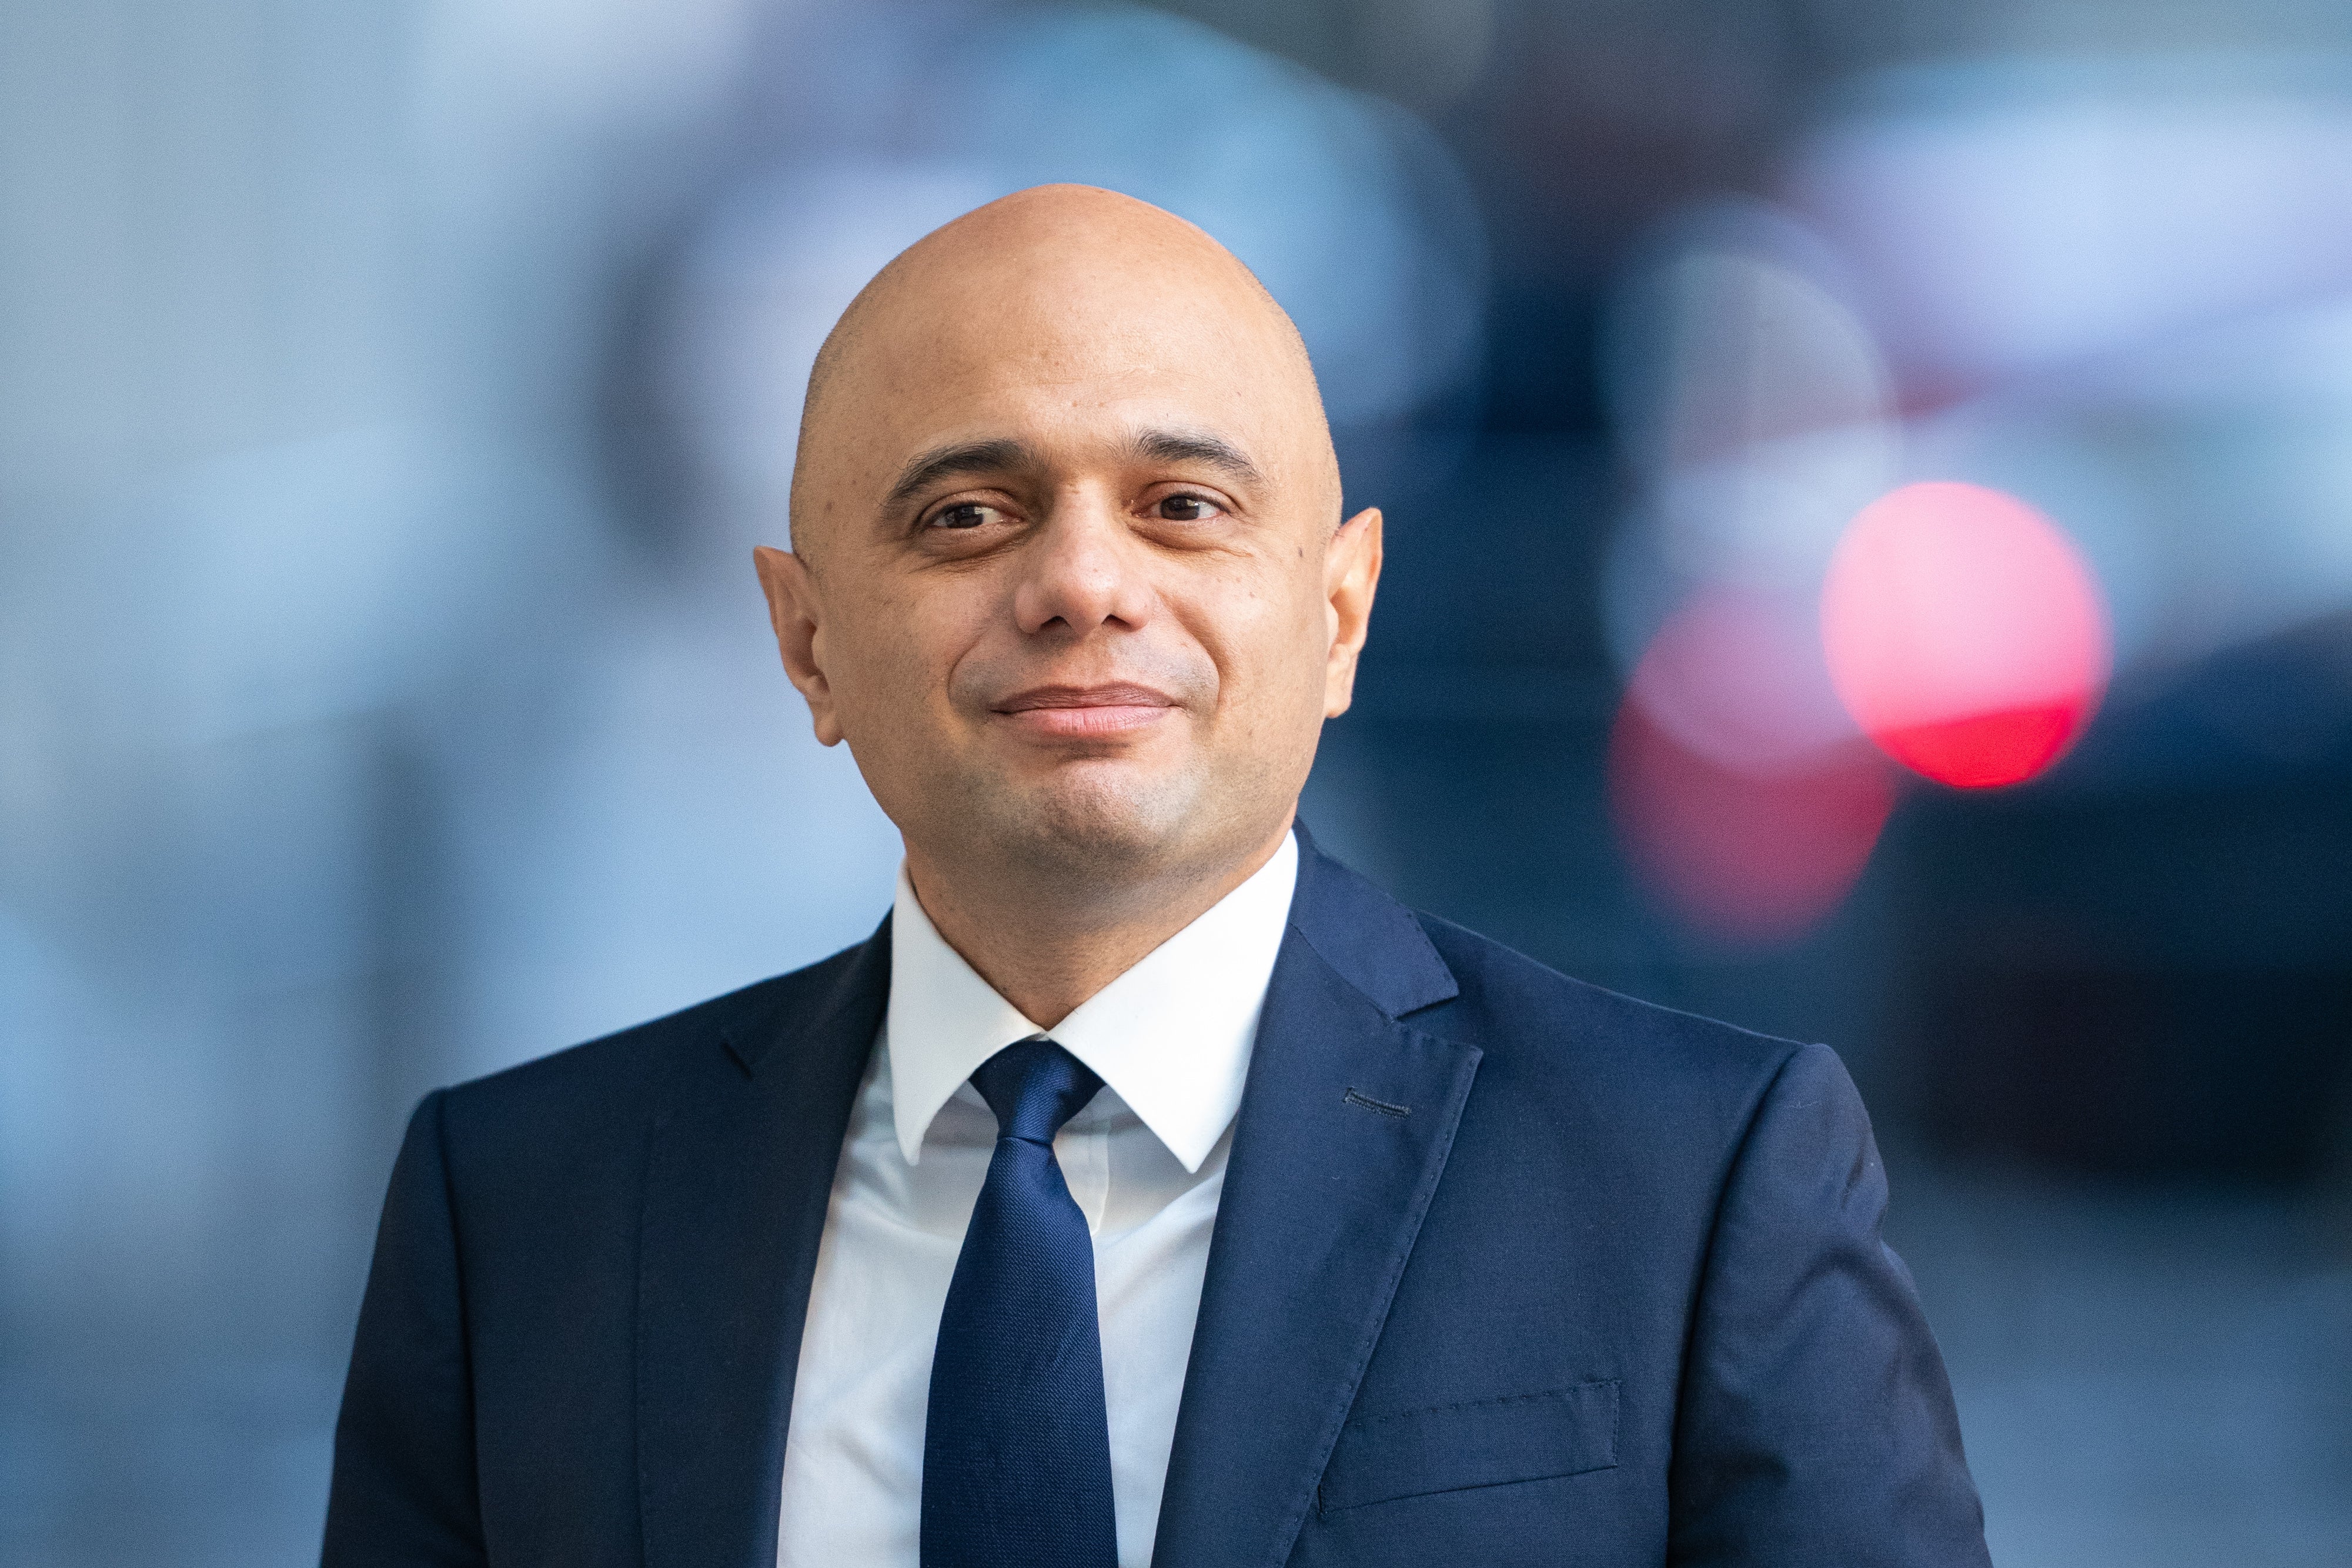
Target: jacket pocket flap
[{"x": 1479, "y": 1443}]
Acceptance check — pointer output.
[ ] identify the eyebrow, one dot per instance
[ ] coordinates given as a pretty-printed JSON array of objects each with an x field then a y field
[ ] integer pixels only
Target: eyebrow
[
  {"x": 928, "y": 468},
  {"x": 1194, "y": 447},
  {"x": 1006, "y": 454}
]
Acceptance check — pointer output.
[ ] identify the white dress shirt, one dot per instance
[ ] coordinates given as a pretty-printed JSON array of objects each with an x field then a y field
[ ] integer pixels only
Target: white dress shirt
[{"x": 1171, "y": 1040}]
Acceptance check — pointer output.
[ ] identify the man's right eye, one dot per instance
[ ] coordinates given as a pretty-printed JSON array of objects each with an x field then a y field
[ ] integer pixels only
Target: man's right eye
[{"x": 965, "y": 515}]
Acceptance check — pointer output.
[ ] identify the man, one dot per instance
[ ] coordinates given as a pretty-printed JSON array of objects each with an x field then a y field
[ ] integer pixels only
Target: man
[{"x": 1149, "y": 1188}]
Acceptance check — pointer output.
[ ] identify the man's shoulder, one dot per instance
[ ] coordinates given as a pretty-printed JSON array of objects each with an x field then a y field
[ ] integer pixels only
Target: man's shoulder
[
  {"x": 1539, "y": 1031},
  {"x": 615, "y": 1074},
  {"x": 1531, "y": 1020}
]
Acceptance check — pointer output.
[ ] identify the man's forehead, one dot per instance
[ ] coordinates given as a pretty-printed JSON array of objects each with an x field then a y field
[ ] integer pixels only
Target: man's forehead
[
  {"x": 1059, "y": 320},
  {"x": 1031, "y": 338},
  {"x": 1121, "y": 400}
]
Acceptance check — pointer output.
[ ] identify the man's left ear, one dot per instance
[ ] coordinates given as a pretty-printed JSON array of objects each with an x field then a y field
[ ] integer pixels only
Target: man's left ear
[{"x": 1351, "y": 574}]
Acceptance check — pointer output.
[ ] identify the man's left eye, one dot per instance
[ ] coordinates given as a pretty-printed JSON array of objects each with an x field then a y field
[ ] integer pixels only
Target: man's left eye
[{"x": 1186, "y": 508}]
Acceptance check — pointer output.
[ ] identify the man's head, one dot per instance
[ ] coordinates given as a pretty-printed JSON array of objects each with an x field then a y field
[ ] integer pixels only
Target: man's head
[{"x": 1069, "y": 572}]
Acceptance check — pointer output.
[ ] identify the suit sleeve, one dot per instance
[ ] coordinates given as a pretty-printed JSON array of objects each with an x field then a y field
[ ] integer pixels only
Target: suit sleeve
[
  {"x": 404, "y": 1490},
  {"x": 1815, "y": 1424}
]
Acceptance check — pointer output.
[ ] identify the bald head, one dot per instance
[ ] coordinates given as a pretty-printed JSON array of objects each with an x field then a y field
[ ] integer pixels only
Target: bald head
[
  {"x": 1047, "y": 282},
  {"x": 1068, "y": 571}
]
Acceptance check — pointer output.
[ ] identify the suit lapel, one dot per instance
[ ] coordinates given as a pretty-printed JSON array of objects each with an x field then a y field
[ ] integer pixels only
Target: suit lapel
[
  {"x": 740, "y": 1171},
  {"x": 1343, "y": 1131}
]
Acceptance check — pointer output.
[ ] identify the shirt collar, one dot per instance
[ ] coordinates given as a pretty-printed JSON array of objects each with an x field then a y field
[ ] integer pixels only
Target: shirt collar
[{"x": 1171, "y": 1036}]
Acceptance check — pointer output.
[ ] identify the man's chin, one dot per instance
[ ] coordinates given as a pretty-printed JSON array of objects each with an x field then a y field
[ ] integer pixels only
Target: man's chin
[{"x": 1100, "y": 818}]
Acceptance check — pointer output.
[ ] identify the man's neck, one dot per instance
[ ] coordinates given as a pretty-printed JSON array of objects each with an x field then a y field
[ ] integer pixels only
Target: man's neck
[{"x": 1047, "y": 949}]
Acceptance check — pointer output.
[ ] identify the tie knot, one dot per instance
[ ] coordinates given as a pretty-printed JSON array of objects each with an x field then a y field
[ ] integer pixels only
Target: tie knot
[{"x": 1034, "y": 1087}]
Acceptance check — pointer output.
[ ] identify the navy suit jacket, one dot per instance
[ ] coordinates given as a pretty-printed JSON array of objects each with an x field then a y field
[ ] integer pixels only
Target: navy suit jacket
[{"x": 1508, "y": 1269}]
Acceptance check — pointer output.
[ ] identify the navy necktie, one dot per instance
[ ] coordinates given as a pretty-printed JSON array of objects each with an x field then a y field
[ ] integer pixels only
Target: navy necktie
[{"x": 1016, "y": 1451}]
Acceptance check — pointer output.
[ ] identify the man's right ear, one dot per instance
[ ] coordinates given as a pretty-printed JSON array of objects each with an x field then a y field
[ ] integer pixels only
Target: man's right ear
[{"x": 793, "y": 611}]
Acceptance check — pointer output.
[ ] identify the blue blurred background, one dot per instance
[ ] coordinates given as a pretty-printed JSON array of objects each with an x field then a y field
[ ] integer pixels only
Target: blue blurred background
[{"x": 391, "y": 391}]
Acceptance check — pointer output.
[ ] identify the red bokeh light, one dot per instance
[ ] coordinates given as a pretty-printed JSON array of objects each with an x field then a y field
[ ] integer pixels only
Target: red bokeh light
[
  {"x": 1753, "y": 860},
  {"x": 1739, "y": 812},
  {"x": 1964, "y": 632}
]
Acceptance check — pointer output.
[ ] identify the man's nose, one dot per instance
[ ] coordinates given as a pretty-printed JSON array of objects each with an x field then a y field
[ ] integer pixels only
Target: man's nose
[{"x": 1083, "y": 569}]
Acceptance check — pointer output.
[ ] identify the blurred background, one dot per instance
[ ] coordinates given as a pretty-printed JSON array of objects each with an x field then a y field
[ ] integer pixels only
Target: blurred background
[{"x": 1870, "y": 497}]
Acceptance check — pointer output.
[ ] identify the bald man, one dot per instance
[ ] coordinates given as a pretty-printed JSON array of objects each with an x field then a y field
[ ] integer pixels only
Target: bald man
[{"x": 1149, "y": 1188}]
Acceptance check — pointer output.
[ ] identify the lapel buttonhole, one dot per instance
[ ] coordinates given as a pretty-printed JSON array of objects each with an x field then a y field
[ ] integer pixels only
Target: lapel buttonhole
[{"x": 1382, "y": 1106}]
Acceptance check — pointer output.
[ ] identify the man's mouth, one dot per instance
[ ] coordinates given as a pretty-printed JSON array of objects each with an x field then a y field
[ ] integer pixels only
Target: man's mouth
[{"x": 1080, "y": 712}]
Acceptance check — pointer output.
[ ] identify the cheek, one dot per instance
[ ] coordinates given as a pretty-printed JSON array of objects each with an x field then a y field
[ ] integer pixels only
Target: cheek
[
  {"x": 896, "y": 661},
  {"x": 1268, "y": 641}
]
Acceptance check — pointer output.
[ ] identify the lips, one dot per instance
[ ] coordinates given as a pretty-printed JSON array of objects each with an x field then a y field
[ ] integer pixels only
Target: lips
[{"x": 1085, "y": 712}]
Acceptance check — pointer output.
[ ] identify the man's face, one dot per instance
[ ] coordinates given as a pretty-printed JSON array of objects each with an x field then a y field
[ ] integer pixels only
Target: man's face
[{"x": 1072, "y": 589}]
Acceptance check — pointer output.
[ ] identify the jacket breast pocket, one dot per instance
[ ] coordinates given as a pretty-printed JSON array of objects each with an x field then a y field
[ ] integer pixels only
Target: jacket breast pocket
[{"x": 1478, "y": 1443}]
